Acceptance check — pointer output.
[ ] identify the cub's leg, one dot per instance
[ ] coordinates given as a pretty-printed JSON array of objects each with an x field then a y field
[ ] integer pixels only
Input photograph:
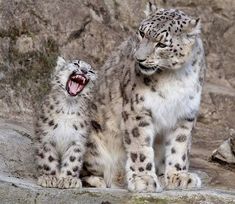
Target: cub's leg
[
  {"x": 138, "y": 141},
  {"x": 48, "y": 165},
  {"x": 178, "y": 144},
  {"x": 71, "y": 164}
]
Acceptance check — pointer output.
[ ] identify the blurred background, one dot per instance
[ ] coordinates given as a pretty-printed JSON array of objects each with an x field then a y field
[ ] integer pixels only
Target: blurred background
[{"x": 33, "y": 33}]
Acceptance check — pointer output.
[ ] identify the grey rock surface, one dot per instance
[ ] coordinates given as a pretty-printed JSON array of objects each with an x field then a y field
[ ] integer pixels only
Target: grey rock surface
[{"x": 23, "y": 191}]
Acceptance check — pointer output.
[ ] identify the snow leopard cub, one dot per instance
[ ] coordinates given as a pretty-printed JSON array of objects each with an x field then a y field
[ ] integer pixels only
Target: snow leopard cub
[{"x": 62, "y": 125}]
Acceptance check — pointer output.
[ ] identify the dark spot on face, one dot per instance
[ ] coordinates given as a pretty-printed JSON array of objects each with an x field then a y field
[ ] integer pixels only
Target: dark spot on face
[
  {"x": 184, "y": 157},
  {"x": 72, "y": 158},
  {"x": 53, "y": 173},
  {"x": 173, "y": 150},
  {"x": 131, "y": 168},
  {"x": 133, "y": 157},
  {"x": 51, "y": 159},
  {"x": 141, "y": 169},
  {"x": 149, "y": 166},
  {"x": 177, "y": 166},
  {"x": 81, "y": 125},
  {"x": 135, "y": 132},
  {"x": 51, "y": 107},
  {"x": 142, "y": 157},
  {"x": 181, "y": 138},
  {"x": 170, "y": 163},
  {"x": 69, "y": 173}
]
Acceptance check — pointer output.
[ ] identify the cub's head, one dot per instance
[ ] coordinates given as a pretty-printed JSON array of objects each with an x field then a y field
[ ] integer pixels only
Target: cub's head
[
  {"x": 73, "y": 77},
  {"x": 166, "y": 39}
]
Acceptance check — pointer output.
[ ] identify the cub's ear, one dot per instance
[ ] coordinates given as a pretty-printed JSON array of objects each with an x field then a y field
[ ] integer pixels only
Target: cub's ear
[
  {"x": 150, "y": 8},
  {"x": 60, "y": 62},
  {"x": 194, "y": 27}
]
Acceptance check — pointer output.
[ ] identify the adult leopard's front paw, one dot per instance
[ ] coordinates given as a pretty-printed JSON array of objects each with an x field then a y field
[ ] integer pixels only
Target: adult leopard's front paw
[
  {"x": 183, "y": 180},
  {"x": 144, "y": 183},
  {"x": 69, "y": 182},
  {"x": 48, "y": 181}
]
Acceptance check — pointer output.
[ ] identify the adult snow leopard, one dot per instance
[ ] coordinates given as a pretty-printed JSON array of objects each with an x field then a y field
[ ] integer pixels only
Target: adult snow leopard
[{"x": 146, "y": 106}]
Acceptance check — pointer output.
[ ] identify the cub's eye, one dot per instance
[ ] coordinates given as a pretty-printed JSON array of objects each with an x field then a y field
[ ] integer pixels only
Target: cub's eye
[
  {"x": 92, "y": 72},
  {"x": 161, "y": 45},
  {"x": 75, "y": 63},
  {"x": 142, "y": 34}
]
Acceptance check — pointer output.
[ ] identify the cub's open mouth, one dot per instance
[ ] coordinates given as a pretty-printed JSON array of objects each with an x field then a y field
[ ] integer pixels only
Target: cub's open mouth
[{"x": 76, "y": 84}]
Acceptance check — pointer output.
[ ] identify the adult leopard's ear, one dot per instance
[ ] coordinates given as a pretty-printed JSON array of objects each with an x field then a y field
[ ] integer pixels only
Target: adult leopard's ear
[
  {"x": 60, "y": 62},
  {"x": 151, "y": 7},
  {"x": 194, "y": 27}
]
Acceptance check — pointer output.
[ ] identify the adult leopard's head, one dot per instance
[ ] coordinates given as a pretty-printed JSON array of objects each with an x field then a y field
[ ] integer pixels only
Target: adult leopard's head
[
  {"x": 73, "y": 77},
  {"x": 166, "y": 39}
]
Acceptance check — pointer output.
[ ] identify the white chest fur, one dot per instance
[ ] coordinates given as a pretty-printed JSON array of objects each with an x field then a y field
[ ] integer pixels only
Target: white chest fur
[{"x": 177, "y": 96}]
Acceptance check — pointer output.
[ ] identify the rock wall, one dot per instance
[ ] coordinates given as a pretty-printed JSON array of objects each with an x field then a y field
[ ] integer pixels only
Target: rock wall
[{"x": 33, "y": 33}]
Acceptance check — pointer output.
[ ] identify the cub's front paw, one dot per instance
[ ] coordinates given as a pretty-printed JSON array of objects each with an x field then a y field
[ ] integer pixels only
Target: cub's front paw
[
  {"x": 69, "y": 182},
  {"x": 144, "y": 183},
  {"x": 183, "y": 180},
  {"x": 48, "y": 181}
]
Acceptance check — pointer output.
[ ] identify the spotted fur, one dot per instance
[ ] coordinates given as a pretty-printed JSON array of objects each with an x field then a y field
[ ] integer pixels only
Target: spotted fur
[
  {"x": 62, "y": 128},
  {"x": 146, "y": 106}
]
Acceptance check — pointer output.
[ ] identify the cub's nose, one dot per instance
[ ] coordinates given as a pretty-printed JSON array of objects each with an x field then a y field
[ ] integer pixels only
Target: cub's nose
[
  {"x": 84, "y": 70},
  {"x": 140, "y": 60}
]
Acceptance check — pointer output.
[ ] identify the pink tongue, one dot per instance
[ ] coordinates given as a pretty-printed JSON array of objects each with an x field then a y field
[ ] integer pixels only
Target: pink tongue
[{"x": 73, "y": 88}]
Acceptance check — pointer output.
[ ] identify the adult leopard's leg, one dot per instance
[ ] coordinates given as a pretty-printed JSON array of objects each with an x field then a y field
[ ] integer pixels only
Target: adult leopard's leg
[
  {"x": 178, "y": 144},
  {"x": 138, "y": 139}
]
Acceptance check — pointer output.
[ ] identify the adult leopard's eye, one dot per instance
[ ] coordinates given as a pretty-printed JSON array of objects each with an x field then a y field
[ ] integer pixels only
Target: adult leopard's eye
[
  {"x": 161, "y": 45},
  {"x": 142, "y": 34}
]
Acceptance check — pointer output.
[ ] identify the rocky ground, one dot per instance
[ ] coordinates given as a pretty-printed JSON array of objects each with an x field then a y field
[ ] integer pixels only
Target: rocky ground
[{"x": 34, "y": 33}]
